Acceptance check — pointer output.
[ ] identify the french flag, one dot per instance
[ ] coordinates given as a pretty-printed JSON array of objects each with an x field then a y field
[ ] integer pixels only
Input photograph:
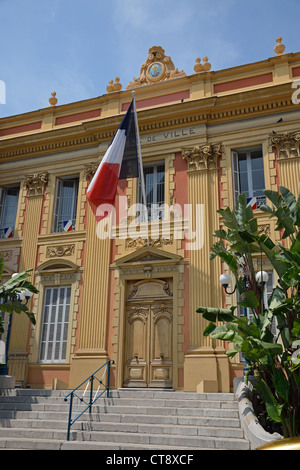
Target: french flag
[
  {"x": 251, "y": 201},
  {"x": 68, "y": 226},
  {"x": 119, "y": 162},
  {"x": 8, "y": 232}
]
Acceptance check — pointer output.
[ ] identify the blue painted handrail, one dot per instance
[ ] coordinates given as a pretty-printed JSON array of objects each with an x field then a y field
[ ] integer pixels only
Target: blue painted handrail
[{"x": 89, "y": 382}]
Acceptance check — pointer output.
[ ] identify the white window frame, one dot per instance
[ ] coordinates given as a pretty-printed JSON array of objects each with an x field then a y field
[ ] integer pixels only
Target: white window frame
[
  {"x": 49, "y": 329},
  {"x": 3, "y": 194},
  {"x": 156, "y": 211},
  {"x": 57, "y": 227},
  {"x": 236, "y": 173}
]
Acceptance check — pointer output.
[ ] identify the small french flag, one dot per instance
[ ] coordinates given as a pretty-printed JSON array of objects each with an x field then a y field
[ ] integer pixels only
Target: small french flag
[
  {"x": 119, "y": 162},
  {"x": 251, "y": 201},
  {"x": 8, "y": 232},
  {"x": 68, "y": 226}
]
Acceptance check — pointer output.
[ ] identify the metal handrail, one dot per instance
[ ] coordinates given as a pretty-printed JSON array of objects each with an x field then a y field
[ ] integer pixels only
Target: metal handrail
[{"x": 92, "y": 400}]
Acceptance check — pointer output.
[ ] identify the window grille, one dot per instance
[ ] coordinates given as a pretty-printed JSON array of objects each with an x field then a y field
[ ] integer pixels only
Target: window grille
[{"x": 54, "y": 333}]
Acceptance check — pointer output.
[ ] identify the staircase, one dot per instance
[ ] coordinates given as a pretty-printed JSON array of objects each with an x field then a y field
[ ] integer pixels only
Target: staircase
[{"x": 129, "y": 419}]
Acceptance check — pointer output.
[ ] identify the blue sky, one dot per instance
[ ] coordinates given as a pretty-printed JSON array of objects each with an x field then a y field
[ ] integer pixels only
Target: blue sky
[{"x": 75, "y": 47}]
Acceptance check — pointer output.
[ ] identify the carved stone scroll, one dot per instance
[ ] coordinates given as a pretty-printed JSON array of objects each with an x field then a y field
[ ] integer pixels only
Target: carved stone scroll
[
  {"x": 286, "y": 144},
  {"x": 202, "y": 157},
  {"x": 90, "y": 169},
  {"x": 35, "y": 183}
]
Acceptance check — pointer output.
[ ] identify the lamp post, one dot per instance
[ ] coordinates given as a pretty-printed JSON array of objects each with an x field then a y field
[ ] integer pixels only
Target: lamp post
[
  {"x": 261, "y": 278},
  {"x": 23, "y": 295}
]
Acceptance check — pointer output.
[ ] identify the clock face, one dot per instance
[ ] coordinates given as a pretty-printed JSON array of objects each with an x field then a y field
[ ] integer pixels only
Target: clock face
[{"x": 155, "y": 71}]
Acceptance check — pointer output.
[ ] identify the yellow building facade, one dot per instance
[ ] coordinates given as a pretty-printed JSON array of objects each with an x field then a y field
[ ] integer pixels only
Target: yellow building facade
[{"x": 204, "y": 138}]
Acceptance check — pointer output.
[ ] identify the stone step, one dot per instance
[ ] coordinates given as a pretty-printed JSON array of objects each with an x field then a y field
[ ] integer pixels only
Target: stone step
[
  {"x": 45, "y": 444},
  {"x": 153, "y": 428},
  {"x": 102, "y": 409},
  {"x": 7, "y": 417},
  {"x": 126, "y": 392},
  {"x": 143, "y": 439},
  {"x": 124, "y": 401},
  {"x": 128, "y": 419}
]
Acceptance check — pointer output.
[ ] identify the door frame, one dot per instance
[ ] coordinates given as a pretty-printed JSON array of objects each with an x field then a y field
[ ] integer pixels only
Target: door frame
[
  {"x": 144, "y": 264},
  {"x": 164, "y": 303}
]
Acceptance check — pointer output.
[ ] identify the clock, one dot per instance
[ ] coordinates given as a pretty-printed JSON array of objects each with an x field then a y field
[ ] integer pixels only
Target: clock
[{"x": 155, "y": 71}]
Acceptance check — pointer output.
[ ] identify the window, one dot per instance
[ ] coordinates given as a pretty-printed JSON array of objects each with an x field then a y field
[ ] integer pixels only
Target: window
[
  {"x": 9, "y": 197},
  {"x": 65, "y": 204},
  {"x": 248, "y": 174},
  {"x": 54, "y": 335},
  {"x": 154, "y": 177}
]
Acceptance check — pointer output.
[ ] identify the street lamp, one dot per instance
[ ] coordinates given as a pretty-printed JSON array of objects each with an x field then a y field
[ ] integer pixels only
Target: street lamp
[
  {"x": 225, "y": 280},
  {"x": 262, "y": 277}
]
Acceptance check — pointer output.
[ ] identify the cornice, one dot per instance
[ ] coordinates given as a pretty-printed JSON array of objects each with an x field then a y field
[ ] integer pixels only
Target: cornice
[{"x": 211, "y": 110}]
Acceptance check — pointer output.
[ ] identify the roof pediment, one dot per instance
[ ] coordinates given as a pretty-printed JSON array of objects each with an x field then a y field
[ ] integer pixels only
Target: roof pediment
[{"x": 148, "y": 255}]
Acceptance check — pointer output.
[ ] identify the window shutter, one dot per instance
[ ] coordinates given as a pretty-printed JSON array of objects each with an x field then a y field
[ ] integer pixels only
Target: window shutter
[
  {"x": 57, "y": 204},
  {"x": 75, "y": 202},
  {"x": 2, "y": 196},
  {"x": 235, "y": 176}
]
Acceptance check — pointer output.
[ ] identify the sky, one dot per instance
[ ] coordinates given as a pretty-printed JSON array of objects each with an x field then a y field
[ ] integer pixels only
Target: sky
[{"x": 76, "y": 47}]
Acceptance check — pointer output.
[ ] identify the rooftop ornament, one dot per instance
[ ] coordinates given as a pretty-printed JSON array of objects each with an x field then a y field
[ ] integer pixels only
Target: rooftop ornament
[
  {"x": 53, "y": 100},
  {"x": 279, "y": 48},
  {"x": 111, "y": 87},
  {"x": 205, "y": 67},
  {"x": 157, "y": 68}
]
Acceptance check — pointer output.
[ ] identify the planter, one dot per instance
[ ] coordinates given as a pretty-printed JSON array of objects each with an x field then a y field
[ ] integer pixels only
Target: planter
[{"x": 254, "y": 432}]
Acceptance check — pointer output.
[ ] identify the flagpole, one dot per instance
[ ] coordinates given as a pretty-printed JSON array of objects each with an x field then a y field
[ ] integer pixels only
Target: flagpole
[{"x": 141, "y": 164}]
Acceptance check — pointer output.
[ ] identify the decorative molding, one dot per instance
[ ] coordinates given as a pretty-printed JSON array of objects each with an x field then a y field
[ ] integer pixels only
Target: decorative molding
[
  {"x": 90, "y": 169},
  {"x": 57, "y": 278},
  {"x": 149, "y": 257},
  {"x": 38, "y": 145},
  {"x": 133, "y": 292},
  {"x": 158, "y": 67},
  {"x": 141, "y": 242},
  {"x": 264, "y": 229},
  {"x": 167, "y": 289},
  {"x": 7, "y": 255},
  {"x": 202, "y": 157},
  {"x": 165, "y": 268},
  {"x": 286, "y": 144},
  {"x": 60, "y": 250},
  {"x": 138, "y": 311},
  {"x": 35, "y": 183}
]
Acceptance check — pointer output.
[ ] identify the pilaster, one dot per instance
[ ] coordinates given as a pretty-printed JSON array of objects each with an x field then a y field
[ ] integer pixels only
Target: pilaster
[
  {"x": 91, "y": 351},
  {"x": 202, "y": 365},
  {"x": 34, "y": 185}
]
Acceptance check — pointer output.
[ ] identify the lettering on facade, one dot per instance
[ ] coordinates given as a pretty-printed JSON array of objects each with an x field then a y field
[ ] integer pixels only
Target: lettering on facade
[
  {"x": 171, "y": 135},
  {"x": 165, "y": 136}
]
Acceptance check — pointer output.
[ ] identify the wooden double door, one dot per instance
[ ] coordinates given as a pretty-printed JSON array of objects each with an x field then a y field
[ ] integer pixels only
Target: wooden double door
[{"x": 148, "y": 344}]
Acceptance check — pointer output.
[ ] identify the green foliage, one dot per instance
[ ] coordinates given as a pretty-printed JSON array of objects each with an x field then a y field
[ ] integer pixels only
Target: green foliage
[
  {"x": 9, "y": 292},
  {"x": 275, "y": 361}
]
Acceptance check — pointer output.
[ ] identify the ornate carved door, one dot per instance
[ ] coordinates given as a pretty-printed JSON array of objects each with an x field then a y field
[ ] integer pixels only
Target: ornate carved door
[{"x": 148, "y": 343}]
